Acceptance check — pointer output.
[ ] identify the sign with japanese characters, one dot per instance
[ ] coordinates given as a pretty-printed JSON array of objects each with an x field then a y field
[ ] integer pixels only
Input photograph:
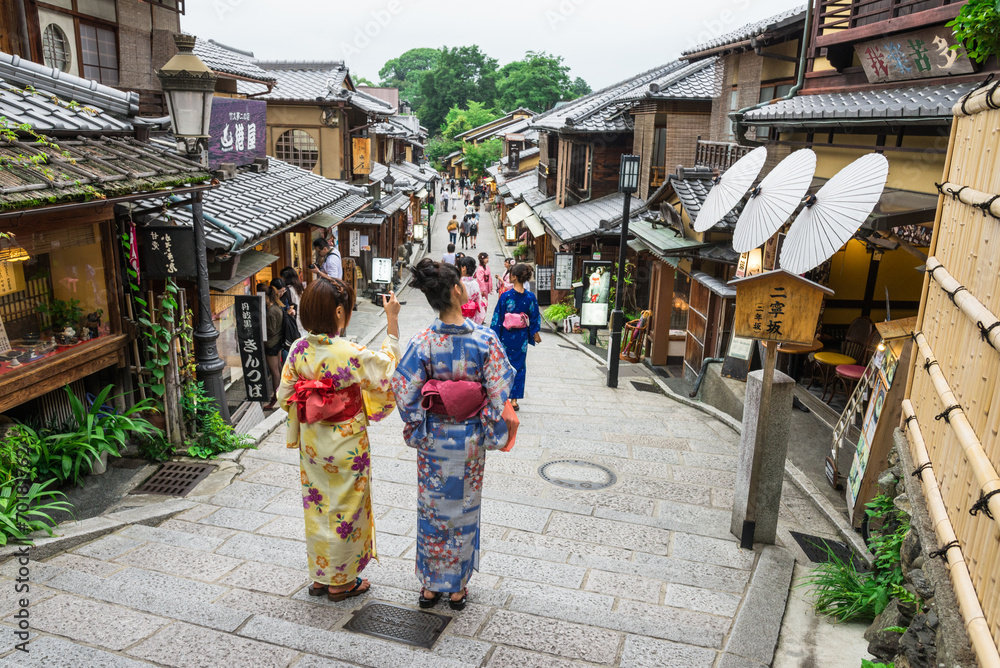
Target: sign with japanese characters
[
  {"x": 237, "y": 132},
  {"x": 361, "y": 155},
  {"x": 777, "y": 306},
  {"x": 354, "y": 243},
  {"x": 11, "y": 277},
  {"x": 167, "y": 251},
  {"x": 250, "y": 339},
  {"x": 543, "y": 276},
  {"x": 564, "y": 271},
  {"x": 381, "y": 270},
  {"x": 915, "y": 55}
]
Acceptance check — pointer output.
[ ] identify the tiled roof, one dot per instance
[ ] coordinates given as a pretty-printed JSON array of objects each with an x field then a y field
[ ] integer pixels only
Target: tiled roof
[
  {"x": 388, "y": 95},
  {"x": 259, "y": 205},
  {"x": 906, "y": 103},
  {"x": 525, "y": 154},
  {"x": 692, "y": 188},
  {"x": 302, "y": 81},
  {"x": 453, "y": 154},
  {"x": 378, "y": 172},
  {"x": 48, "y": 114},
  {"x": 534, "y": 197},
  {"x": 603, "y": 110},
  {"x": 367, "y": 218},
  {"x": 347, "y": 205},
  {"x": 110, "y": 167},
  {"x": 750, "y": 30},
  {"x": 658, "y": 237},
  {"x": 696, "y": 81},
  {"x": 489, "y": 128},
  {"x": 423, "y": 174},
  {"x": 517, "y": 186},
  {"x": 584, "y": 219},
  {"x": 369, "y": 103},
  {"x": 227, "y": 60},
  {"x": 393, "y": 203}
]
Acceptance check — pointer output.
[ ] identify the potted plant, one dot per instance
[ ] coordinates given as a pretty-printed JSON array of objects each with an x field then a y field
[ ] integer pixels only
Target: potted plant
[
  {"x": 63, "y": 316},
  {"x": 558, "y": 312},
  {"x": 520, "y": 252}
]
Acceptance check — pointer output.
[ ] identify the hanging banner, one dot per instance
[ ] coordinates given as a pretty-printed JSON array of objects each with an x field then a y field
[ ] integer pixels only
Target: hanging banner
[
  {"x": 236, "y": 131},
  {"x": 564, "y": 271},
  {"x": 354, "y": 243},
  {"x": 543, "y": 276},
  {"x": 360, "y": 153},
  {"x": 250, "y": 337},
  {"x": 167, "y": 251}
]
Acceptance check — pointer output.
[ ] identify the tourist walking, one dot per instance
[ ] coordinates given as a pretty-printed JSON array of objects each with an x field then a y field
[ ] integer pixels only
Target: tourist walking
[
  {"x": 453, "y": 228},
  {"x": 516, "y": 321},
  {"x": 465, "y": 228},
  {"x": 475, "y": 307},
  {"x": 503, "y": 281},
  {"x": 293, "y": 292},
  {"x": 332, "y": 388},
  {"x": 451, "y": 386},
  {"x": 274, "y": 332},
  {"x": 473, "y": 230},
  {"x": 483, "y": 277},
  {"x": 449, "y": 256}
]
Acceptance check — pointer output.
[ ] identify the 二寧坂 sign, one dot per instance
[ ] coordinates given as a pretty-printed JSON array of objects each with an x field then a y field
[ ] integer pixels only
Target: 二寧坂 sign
[{"x": 238, "y": 132}]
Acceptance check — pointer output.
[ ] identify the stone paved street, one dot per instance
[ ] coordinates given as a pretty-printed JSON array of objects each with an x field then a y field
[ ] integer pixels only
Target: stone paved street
[{"x": 644, "y": 573}]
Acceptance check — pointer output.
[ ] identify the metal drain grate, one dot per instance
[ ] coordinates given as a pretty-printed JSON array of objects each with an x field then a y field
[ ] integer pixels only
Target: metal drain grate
[
  {"x": 395, "y": 622},
  {"x": 814, "y": 546},
  {"x": 577, "y": 474},
  {"x": 175, "y": 479},
  {"x": 647, "y": 387}
]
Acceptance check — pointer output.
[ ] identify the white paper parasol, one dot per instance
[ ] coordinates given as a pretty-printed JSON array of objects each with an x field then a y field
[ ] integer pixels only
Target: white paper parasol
[
  {"x": 774, "y": 200},
  {"x": 730, "y": 189},
  {"x": 832, "y": 216}
]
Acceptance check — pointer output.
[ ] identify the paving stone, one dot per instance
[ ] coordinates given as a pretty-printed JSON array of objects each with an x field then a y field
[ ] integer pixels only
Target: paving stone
[
  {"x": 186, "y": 646},
  {"x": 669, "y": 569},
  {"x": 78, "y": 562},
  {"x": 396, "y": 470},
  {"x": 715, "y": 446},
  {"x": 466, "y": 650},
  {"x": 400, "y": 496},
  {"x": 312, "y": 661},
  {"x": 684, "y": 626},
  {"x": 170, "y": 537},
  {"x": 755, "y": 631},
  {"x": 108, "y": 547},
  {"x": 238, "y": 518},
  {"x": 552, "y": 545},
  {"x": 198, "y": 529},
  {"x": 654, "y": 448},
  {"x": 391, "y": 545},
  {"x": 399, "y": 522},
  {"x": 572, "y": 641},
  {"x": 181, "y": 561},
  {"x": 246, "y": 495},
  {"x": 274, "y": 453},
  {"x": 724, "y": 479},
  {"x": 668, "y": 490},
  {"x": 643, "y": 652},
  {"x": 681, "y": 517},
  {"x": 196, "y": 513},
  {"x": 624, "y": 586},
  {"x": 510, "y": 657},
  {"x": 285, "y": 526},
  {"x": 609, "y": 532},
  {"x": 555, "y": 602},
  {"x": 632, "y": 467},
  {"x": 724, "y": 498},
  {"x": 515, "y": 515},
  {"x": 702, "y": 600},
  {"x": 49, "y": 652},
  {"x": 312, "y": 613},
  {"x": 727, "y": 660},
  {"x": 512, "y": 466},
  {"x": 710, "y": 461},
  {"x": 608, "y": 499},
  {"x": 161, "y": 583},
  {"x": 466, "y": 622},
  {"x": 93, "y": 622},
  {"x": 584, "y": 446},
  {"x": 279, "y": 475},
  {"x": 288, "y": 502},
  {"x": 287, "y": 553},
  {"x": 267, "y": 578},
  {"x": 711, "y": 550},
  {"x": 10, "y": 598},
  {"x": 509, "y": 565},
  {"x": 38, "y": 571}
]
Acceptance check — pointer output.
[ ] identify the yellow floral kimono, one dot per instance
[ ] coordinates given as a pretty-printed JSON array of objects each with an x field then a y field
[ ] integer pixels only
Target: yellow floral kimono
[{"x": 334, "y": 457}]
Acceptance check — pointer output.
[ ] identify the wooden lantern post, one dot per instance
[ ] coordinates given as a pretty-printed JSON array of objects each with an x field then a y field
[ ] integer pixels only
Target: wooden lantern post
[{"x": 773, "y": 307}]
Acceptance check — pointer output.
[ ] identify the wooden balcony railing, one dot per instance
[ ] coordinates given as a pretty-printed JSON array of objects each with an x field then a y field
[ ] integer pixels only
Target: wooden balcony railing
[
  {"x": 719, "y": 154},
  {"x": 657, "y": 176},
  {"x": 836, "y": 17}
]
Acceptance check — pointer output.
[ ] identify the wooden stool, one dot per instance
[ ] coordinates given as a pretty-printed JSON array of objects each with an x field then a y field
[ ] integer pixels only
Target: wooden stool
[
  {"x": 846, "y": 376},
  {"x": 826, "y": 361}
]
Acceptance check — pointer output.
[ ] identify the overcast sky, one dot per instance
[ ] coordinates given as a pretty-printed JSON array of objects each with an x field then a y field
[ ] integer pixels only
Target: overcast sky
[{"x": 601, "y": 41}]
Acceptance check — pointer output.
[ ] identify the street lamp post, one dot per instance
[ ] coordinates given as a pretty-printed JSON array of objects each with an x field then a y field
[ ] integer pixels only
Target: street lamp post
[
  {"x": 628, "y": 183},
  {"x": 189, "y": 88}
]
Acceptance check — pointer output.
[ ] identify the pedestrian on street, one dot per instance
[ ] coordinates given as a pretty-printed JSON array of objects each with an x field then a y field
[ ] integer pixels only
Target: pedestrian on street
[
  {"x": 327, "y": 262},
  {"x": 516, "y": 321},
  {"x": 475, "y": 307},
  {"x": 464, "y": 365},
  {"x": 449, "y": 256},
  {"x": 474, "y": 230},
  {"x": 332, "y": 389},
  {"x": 483, "y": 275},
  {"x": 444, "y": 201},
  {"x": 453, "y": 184},
  {"x": 477, "y": 200},
  {"x": 503, "y": 282},
  {"x": 453, "y": 229},
  {"x": 293, "y": 292},
  {"x": 465, "y": 229},
  {"x": 274, "y": 341},
  {"x": 468, "y": 198}
]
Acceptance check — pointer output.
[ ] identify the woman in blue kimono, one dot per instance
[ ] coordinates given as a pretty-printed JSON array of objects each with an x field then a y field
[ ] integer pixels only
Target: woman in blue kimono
[
  {"x": 450, "y": 386},
  {"x": 516, "y": 321}
]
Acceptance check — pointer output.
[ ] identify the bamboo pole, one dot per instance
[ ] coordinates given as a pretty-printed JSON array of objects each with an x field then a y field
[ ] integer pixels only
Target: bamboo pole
[
  {"x": 968, "y": 602},
  {"x": 987, "y": 202},
  {"x": 978, "y": 101},
  {"x": 986, "y": 475}
]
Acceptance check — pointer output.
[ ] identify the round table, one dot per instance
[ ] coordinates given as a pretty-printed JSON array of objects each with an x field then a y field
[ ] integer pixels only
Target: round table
[{"x": 794, "y": 351}]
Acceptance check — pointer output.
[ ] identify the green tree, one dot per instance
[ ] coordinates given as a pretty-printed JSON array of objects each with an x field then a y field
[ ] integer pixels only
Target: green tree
[
  {"x": 536, "y": 82},
  {"x": 407, "y": 71},
  {"x": 362, "y": 81},
  {"x": 473, "y": 115},
  {"x": 438, "y": 147},
  {"x": 462, "y": 74},
  {"x": 480, "y": 156}
]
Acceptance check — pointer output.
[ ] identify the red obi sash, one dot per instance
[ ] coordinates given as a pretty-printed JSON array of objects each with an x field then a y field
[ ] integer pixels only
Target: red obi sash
[
  {"x": 320, "y": 401},
  {"x": 458, "y": 399}
]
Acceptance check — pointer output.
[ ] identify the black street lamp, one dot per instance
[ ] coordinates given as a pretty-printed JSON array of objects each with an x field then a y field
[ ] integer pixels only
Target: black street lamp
[
  {"x": 189, "y": 88},
  {"x": 628, "y": 183}
]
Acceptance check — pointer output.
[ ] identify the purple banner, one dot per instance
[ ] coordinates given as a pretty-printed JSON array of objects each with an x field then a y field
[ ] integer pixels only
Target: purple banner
[{"x": 238, "y": 131}]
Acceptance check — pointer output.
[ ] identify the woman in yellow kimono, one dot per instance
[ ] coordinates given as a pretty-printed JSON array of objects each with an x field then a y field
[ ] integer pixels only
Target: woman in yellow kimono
[{"x": 331, "y": 389}]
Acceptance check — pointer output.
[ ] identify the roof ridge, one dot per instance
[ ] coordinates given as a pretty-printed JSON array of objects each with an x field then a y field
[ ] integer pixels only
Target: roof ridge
[
  {"x": 242, "y": 52},
  {"x": 61, "y": 84},
  {"x": 316, "y": 65}
]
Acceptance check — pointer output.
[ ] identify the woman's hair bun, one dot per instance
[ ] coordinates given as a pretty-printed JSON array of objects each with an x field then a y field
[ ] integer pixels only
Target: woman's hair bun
[{"x": 435, "y": 280}]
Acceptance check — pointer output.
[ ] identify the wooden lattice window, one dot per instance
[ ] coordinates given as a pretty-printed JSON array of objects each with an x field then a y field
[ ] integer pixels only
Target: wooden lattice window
[
  {"x": 55, "y": 48},
  {"x": 99, "y": 53},
  {"x": 298, "y": 148}
]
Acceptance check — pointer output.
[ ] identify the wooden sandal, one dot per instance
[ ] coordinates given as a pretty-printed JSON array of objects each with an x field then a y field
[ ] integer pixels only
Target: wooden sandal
[
  {"x": 356, "y": 590},
  {"x": 318, "y": 591},
  {"x": 426, "y": 602},
  {"x": 460, "y": 603}
]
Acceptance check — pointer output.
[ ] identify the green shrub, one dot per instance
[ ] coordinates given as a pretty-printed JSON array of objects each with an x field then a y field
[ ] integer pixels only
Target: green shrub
[
  {"x": 865, "y": 663},
  {"x": 214, "y": 435},
  {"x": 559, "y": 312},
  {"x": 21, "y": 514},
  {"x": 976, "y": 26}
]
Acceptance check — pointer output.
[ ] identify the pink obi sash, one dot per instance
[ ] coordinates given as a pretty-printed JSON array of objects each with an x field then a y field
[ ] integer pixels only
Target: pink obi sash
[
  {"x": 319, "y": 401},
  {"x": 460, "y": 400}
]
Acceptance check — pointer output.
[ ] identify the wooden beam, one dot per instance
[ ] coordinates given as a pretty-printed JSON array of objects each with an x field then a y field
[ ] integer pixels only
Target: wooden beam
[{"x": 898, "y": 24}]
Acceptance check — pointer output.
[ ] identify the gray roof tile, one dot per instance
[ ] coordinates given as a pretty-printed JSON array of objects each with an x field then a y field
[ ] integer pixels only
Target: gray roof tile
[
  {"x": 906, "y": 103},
  {"x": 308, "y": 82},
  {"x": 693, "y": 188},
  {"x": 697, "y": 81},
  {"x": 584, "y": 219},
  {"x": 754, "y": 29},
  {"x": 227, "y": 60}
]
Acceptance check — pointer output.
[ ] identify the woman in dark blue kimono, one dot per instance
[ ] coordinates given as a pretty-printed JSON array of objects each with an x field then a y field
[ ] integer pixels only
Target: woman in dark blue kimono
[{"x": 516, "y": 321}]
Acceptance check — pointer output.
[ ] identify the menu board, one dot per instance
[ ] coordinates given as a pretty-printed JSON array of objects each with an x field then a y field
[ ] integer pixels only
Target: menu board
[
  {"x": 564, "y": 271},
  {"x": 167, "y": 251},
  {"x": 250, "y": 337},
  {"x": 543, "y": 277},
  {"x": 381, "y": 270}
]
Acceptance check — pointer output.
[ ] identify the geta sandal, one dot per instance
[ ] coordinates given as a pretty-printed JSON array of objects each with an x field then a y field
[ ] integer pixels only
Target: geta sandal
[
  {"x": 426, "y": 602},
  {"x": 356, "y": 590},
  {"x": 460, "y": 603}
]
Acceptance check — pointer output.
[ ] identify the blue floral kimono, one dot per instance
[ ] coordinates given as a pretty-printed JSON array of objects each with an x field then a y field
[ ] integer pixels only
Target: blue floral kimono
[
  {"x": 515, "y": 341},
  {"x": 450, "y": 454}
]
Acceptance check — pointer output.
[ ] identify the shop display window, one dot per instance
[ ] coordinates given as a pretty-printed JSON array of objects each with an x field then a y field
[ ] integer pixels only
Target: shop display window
[
  {"x": 679, "y": 313},
  {"x": 53, "y": 295}
]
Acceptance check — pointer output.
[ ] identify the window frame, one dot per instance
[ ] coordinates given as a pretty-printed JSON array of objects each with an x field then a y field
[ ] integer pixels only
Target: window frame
[
  {"x": 284, "y": 152},
  {"x": 67, "y": 54},
  {"x": 96, "y": 27}
]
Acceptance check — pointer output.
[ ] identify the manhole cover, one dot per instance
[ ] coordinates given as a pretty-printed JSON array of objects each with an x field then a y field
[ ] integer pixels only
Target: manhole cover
[
  {"x": 175, "y": 479},
  {"x": 577, "y": 474},
  {"x": 394, "y": 622}
]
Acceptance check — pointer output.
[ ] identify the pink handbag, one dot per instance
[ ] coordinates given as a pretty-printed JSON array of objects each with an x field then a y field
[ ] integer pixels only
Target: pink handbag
[{"x": 515, "y": 320}]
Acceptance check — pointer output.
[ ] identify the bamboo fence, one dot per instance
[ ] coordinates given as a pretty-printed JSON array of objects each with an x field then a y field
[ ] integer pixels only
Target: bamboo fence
[{"x": 952, "y": 410}]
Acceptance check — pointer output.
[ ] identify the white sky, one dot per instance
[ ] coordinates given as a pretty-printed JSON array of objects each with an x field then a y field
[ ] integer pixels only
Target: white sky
[{"x": 602, "y": 41}]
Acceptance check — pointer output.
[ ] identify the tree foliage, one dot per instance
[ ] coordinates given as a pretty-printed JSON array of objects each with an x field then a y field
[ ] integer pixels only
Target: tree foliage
[
  {"x": 407, "y": 71},
  {"x": 461, "y": 119},
  {"x": 479, "y": 156},
  {"x": 438, "y": 147},
  {"x": 978, "y": 27},
  {"x": 462, "y": 74},
  {"x": 537, "y": 82}
]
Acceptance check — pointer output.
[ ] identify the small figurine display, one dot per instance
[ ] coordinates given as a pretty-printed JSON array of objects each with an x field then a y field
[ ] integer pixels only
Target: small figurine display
[{"x": 92, "y": 326}]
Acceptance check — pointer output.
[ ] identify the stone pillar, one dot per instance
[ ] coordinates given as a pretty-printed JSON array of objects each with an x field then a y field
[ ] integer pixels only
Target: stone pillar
[{"x": 772, "y": 453}]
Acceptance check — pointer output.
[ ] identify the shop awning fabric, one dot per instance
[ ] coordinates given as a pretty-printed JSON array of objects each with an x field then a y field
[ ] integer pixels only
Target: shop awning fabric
[
  {"x": 250, "y": 263},
  {"x": 534, "y": 226},
  {"x": 518, "y": 213}
]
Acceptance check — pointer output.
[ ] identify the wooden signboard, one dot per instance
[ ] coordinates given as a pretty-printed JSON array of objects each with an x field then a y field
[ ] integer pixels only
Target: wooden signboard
[
  {"x": 361, "y": 152},
  {"x": 778, "y": 306},
  {"x": 738, "y": 358},
  {"x": 914, "y": 55},
  {"x": 564, "y": 271},
  {"x": 250, "y": 337},
  {"x": 11, "y": 277},
  {"x": 167, "y": 251}
]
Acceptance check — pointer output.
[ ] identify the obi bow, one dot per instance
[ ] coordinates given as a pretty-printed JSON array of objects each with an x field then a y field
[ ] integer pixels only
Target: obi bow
[
  {"x": 320, "y": 401},
  {"x": 457, "y": 399}
]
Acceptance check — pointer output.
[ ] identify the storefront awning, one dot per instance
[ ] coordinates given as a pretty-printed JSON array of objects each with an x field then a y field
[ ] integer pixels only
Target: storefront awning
[
  {"x": 662, "y": 240},
  {"x": 422, "y": 193},
  {"x": 637, "y": 245},
  {"x": 325, "y": 219},
  {"x": 534, "y": 226},
  {"x": 366, "y": 218},
  {"x": 518, "y": 213},
  {"x": 250, "y": 263}
]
